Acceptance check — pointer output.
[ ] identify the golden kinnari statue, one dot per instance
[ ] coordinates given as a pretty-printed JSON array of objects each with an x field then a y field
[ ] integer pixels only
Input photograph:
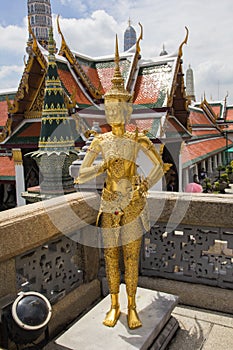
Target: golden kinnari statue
[{"x": 122, "y": 213}]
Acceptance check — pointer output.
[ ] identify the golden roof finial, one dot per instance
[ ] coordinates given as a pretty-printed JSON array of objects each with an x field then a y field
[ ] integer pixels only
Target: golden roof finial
[
  {"x": 63, "y": 42},
  {"x": 180, "y": 52},
  {"x": 138, "y": 49},
  {"x": 34, "y": 44}
]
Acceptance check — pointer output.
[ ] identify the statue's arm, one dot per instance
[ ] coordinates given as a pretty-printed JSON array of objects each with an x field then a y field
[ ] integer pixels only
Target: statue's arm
[
  {"x": 87, "y": 170},
  {"x": 159, "y": 167}
]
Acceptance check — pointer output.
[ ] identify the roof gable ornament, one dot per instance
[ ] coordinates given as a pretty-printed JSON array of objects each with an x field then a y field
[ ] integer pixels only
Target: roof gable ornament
[
  {"x": 65, "y": 51},
  {"x": 130, "y": 83},
  {"x": 138, "y": 49},
  {"x": 180, "y": 52}
]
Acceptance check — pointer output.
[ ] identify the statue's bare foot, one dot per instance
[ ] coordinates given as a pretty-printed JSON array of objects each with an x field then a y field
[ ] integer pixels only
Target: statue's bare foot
[
  {"x": 112, "y": 316},
  {"x": 133, "y": 319}
]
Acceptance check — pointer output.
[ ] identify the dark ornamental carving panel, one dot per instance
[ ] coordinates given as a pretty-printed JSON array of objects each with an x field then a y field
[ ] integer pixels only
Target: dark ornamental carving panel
[
  {"x": 188, "y": 253},
  {"x": 52, "y": 269}
]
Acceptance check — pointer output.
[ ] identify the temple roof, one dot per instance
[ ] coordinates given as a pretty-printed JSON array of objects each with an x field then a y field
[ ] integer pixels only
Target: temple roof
[
  {"x": 156, "y": 85},
  {"x": 196, "y": 151}
]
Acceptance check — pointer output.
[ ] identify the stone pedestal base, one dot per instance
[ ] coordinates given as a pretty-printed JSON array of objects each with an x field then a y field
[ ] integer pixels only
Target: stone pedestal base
[{"x": 154, "y": 310}]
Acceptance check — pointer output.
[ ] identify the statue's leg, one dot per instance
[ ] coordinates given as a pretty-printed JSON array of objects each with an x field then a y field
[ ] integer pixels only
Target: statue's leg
[
  {"x": 111, "y": 254},
  {"x": 131, "y": 259},
  {"x": 131, "y": 251}
]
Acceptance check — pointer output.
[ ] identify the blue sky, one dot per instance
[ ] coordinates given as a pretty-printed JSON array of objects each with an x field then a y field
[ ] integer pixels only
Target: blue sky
[{"x": 90, "y": 26}]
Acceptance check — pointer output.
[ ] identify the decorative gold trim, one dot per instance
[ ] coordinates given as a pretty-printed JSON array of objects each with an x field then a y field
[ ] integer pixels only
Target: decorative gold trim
[
  {"x": 38, "y": 92},
  {"x": 12, "y": 107},
  {"x": 17, "y": 156},
  {"x": 135, "y": 60},
  {"x": 6, "y": 131},
  {"x": 70, "y": 101},
  {"x": 178, "y": 67},
  {"x": 65, "y": 51},
  {"x": 56, "y": 144},
  {"x": 32, "y": 115}
]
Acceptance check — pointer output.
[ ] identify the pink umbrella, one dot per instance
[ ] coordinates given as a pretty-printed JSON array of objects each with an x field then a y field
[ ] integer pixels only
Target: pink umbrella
[{"x": 193, "y": 187}]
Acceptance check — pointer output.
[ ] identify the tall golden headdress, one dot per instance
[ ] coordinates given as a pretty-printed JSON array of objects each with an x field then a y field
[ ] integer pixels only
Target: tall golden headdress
[{"x": 117, "y": 90}]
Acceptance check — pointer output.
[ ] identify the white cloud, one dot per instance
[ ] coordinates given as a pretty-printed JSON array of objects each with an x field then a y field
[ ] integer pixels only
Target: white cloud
[
  {"x": 92, "y": 36},
  {"x": 13, "y": 39},
  {"x": 10, "y": 76}
]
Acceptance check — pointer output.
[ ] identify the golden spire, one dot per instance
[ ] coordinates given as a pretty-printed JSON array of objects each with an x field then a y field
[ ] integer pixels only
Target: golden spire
[
  {"x": 118, "y": 90},
  {"x": 51, "y": 43}
]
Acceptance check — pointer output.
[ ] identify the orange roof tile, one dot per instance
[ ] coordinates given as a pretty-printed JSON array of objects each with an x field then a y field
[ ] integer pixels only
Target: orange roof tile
[
  {"x": 198, "y": 118},
  {"x": 7, "y": 166},
  {"x": 195, "y": 151},
  {"x": 105, "y": 72},
  {"x": 146, "y": 90},
  {"x": 3, "y": 113},
  {"x": 93, "y": 76},
  {"x": 71, "y": 86},
  {"x": 230, "y": 127},
  {"x": 105, "y": 76},
  {"x": 216, "y": 109},
  {"x": 229, "y": 115},
  {"x": 141, "y": 124}
]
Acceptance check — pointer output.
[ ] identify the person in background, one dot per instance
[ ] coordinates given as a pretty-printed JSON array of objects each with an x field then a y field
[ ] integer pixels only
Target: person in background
[
  {"x": 171, "y": 186},
  {"x": 203, "y": 174}
]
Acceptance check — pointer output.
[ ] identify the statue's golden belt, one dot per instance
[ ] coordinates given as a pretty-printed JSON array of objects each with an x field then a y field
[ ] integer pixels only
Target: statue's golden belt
[{"x": 115, "y": 202}]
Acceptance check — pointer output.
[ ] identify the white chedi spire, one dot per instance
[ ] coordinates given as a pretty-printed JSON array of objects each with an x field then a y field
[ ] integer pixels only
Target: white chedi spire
[
  {"x": 190, "y": 84},
  {"x": 40, "y": 18},
  {"x": 130, "y": 37}
]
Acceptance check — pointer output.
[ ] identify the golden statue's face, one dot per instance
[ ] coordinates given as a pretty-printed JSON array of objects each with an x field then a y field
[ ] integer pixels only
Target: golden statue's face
[{"x": 117, "y": 111}]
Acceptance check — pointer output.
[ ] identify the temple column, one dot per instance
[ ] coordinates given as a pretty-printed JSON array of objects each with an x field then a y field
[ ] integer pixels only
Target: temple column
[
  {"x": 220, "y": 159},
  {"x": 185, "y": 177},
  {"x": 210, "y": 169},
  {"x": 19, "y": 176},
  {"x": 195, "y": 170},
  {"x": 180, "y": 177},
  {"x": 215, "y": 162}
]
